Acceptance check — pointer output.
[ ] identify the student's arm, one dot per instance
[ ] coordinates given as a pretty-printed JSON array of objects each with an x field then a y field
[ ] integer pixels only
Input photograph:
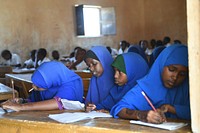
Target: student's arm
[
  {"x": 146, "y": 116},
  {"x": 42, "y": 105}
]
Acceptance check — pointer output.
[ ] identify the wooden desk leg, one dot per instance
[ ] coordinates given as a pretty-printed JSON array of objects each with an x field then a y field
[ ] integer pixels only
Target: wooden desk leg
[{"x": 24, "y": 90}]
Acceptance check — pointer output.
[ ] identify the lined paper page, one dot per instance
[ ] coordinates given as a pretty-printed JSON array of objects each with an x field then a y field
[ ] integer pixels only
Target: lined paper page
[{"x": 165, "y": 125}]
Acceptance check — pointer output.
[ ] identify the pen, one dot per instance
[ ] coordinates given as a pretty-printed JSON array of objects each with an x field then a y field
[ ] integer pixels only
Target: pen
[
  {"x": 31, "y": 90},
  {"x": 12, "y": 82},
  {"x": 148, "y": 101}
]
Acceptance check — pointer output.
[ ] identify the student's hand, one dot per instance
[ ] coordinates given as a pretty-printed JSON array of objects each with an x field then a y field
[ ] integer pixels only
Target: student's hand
[
  {"x": 151, "y": 116},
  {"x": 18, "y": 100},
  {"x": 11, "y": 105},
  {"x": 89, "y": 107},
  {"x": 156, "y": 117},
  {"x": 168, "y": 108},
  {"x": 103, "y": 111}
]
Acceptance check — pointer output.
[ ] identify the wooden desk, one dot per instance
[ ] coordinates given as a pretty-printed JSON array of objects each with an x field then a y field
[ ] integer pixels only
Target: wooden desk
[
  {"x": 3, "y": 71},
  {"x": 86, "y": 76},
  {"x": 6, "y": 92},
  {"x": 23, "y": 70},
  {"x": 84, "y": 73},
  {"x": 39, "y": 122},
  {"x": 22, "y": 81}
]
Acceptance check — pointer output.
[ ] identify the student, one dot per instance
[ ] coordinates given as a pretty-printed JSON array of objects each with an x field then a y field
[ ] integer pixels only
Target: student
[
  {"x": 124, "y": 45},
  {"x": 41, "y": 57},
  {"x": 30, "y": 62},
  {"x": 166, "y": 41},
  {"x": 128, "y": 67},
  {"x": 166, "y": 85},
  {"x": 52, "y": 81},
  {"x": 79, "y": 63},
  {"x": 11, "y": 59},
  {"x": 112, "y": 51},
  {"x": 99, "y": 61},
  {"x": 55, "y": 55},
  {"x": 143, "y": 44},
  {"x": 155, "y": 54},
  {"x": 137, "y": 49}
]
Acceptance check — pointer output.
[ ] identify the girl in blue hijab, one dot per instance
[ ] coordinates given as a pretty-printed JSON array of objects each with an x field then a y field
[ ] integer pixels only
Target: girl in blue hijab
[
  {"x": 128, "y": 67},
  {"x": 99, "y": 61},
  {"x": 166, "y": 85},
  {"x": 52, "y": 81}
]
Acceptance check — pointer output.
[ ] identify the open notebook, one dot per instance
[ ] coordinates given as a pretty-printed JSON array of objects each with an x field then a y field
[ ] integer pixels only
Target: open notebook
[
  {"x": 165, "y": 125},
  {"x": 77, "y": 116}
]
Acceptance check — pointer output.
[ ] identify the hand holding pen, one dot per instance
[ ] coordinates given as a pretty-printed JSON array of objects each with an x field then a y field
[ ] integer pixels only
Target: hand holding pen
[
  {"x": 155, "y": 116},
  {"x": 90, "y": 107}
]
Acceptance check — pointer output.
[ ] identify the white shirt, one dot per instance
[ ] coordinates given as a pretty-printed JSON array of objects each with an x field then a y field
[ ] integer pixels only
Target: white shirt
[
  {"x": 81, "y": 66},
  {"x": 29, "y": 62},
  {"x": 121, "y": 52},
  {"x": 15, "y": 60},
  {"x": 44, "y": 60}
]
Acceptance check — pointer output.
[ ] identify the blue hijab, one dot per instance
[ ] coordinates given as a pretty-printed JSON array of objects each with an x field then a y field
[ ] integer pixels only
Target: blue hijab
[
  {"x": 137, "y": 49},
  {"x": 58, "y": 81},
  {"x": 136, "y": 68},
  {"x": 158, "y": 94},
  {"x": 155, "y": 54},
  {"x": 100, "y": 86}
]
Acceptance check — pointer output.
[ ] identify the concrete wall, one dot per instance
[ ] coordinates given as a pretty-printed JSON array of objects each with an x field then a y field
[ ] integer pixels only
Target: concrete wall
[
  {"x": 31, "y": 24},
  {"x": 193, "y": 19}
]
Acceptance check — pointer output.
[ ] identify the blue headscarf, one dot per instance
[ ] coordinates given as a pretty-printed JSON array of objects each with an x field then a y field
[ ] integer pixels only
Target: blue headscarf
[
  {"x": 136, "y": 68},
  {"x": 155, "y": 54},
  {"x": 100, "y": 86},
  {"x": 137, "y": 49},
  {"x": 153, "y": 86},
  {"x": 58, "y": 81}
]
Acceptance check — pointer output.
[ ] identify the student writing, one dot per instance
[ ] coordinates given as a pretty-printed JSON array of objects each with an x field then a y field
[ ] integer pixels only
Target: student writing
[
  {"x": 52, "y": 81},
  {"x": 99, "y": 61},
  {"x": 128, "y": 67},
  {"x": 166, "y": 85}
]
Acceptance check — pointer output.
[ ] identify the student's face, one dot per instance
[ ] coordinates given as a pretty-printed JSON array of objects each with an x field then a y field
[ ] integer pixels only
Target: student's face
[
  {"x": 94, "y": 66},
  {"x": 120, "y": 77},
  {"x": 7, "y": 56},
  {"x": 174, "y": 75}
]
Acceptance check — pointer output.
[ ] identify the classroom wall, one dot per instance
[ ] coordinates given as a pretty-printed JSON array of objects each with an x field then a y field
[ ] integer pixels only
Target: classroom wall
[
  {"x": 193, "y": 26},
  {"x": 31, "y": 24}
]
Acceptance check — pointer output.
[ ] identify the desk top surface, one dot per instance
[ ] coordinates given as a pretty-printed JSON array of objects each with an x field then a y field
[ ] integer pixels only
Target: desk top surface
[
  {"x": 22, "y": 77},
  {"x": 23, "y": 70},
  {"x": 5, "y": 89},
  {"x": 39, "y": 121}
]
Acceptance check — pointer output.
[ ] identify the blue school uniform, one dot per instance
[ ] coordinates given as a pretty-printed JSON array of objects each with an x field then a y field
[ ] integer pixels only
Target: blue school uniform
[
  {"x": 58, "y": 81},
  {"x": 152, "y": 85},
  {"x": 100, "y": 86},
  {"x": 136, "y": 68}
]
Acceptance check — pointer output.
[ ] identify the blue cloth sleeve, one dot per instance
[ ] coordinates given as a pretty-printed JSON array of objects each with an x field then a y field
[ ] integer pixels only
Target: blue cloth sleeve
[
  {"x": 133, "y": 100},
  {"x": 182, "y": 111},
  {"x": 106, "y": 104},
  {"x": 66, "y": 93}
]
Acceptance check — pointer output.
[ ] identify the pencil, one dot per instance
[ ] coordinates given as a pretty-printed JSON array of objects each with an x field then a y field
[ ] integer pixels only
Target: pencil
[
  {"x": 12, "y": 82},
  {"x": 31, "y": 90},
  {"x": 148, "y": 101}
]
